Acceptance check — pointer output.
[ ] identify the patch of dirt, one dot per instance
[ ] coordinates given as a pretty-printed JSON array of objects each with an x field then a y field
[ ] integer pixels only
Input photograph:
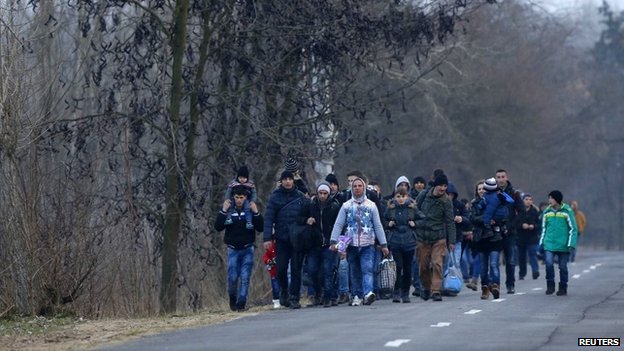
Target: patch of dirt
[{"x": 87, "y": 334}]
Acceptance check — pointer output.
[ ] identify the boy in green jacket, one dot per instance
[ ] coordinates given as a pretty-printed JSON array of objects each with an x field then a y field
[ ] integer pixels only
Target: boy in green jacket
[{"x": 559, "y": 233}]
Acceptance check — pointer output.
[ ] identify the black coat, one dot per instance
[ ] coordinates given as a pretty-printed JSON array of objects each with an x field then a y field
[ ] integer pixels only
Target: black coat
[
  {"x": 324, "y": 215},
  {"x": 526, "y": 236},
  {"x": 236, "y": 234}
]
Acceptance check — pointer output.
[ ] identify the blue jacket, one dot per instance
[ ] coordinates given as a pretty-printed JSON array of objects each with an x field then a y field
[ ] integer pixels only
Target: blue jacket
[
  {"x": 401, "y": 236},
  {"x": 494, "y": 208},
  {"x": 282, "y": 210}
]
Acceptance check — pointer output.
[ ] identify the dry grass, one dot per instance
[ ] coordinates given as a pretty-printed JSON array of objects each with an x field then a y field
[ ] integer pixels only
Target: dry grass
[{"x": 62, "y": 334}]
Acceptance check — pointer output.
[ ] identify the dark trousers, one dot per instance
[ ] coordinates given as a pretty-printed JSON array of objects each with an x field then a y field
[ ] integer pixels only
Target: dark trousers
[
  {"x": 286, "y": 254},
  {"x": 403, "y": 261},
  {"x": 510, "y": 253}
]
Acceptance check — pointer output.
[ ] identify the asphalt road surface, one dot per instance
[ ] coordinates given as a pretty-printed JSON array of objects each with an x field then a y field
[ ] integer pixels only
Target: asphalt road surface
[{"x": 527, "y": 320}]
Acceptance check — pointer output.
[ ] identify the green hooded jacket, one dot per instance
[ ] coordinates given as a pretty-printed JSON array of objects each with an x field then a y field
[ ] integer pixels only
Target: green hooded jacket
[{"x": 559, "y": 230}]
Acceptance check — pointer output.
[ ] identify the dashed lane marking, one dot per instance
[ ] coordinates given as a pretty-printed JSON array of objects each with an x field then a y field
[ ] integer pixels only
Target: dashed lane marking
[
  {"x": 397, "y": 342},
  {"x": 536, "y": 289},
  {"x": 592, "y": 266},
  {"x": 520, "y": 293},
  {"x": 472, "y": 312},
  {"x": 576, "y": 276},
  {"x": 440, "y": 325},
  {"x": 586, "y": 271},
  {"x": 499, "y": 300}
]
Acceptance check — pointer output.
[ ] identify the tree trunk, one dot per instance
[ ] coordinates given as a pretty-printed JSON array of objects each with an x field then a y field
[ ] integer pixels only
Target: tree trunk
[{"x": 173, "y": 216}]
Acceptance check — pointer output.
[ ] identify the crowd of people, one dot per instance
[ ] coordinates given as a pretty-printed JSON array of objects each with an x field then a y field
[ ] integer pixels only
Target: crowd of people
[{"x": 418, "y": 225}]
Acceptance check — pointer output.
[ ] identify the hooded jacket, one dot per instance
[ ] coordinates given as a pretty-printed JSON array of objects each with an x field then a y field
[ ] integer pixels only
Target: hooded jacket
[
  {"x": 361, "y": 222},
  {"x": 324, "y": 215},
  {"x": 559, "y": 231},
  {"x": 401, "y": 236}
]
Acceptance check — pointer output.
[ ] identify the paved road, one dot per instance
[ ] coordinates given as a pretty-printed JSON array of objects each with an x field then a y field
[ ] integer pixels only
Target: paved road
[{"x": 527, "y": 320}]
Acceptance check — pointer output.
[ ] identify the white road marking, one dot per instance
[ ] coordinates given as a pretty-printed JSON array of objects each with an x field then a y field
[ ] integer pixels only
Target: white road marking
[
  {"x": 440, "y": 325},
  {"x": 472, "y": 312},
  {"x": 520, "y": 293},
  {"x": 598, "y": 264},
  {"x": 576, "y": 276},
  {"x": 397, "y": 342},
  {"x": 536, "y": 289},
  {"x": 499, "y": 300},
  {"x": 592, "y": 267},
  {"x": 586, "y": 271}
]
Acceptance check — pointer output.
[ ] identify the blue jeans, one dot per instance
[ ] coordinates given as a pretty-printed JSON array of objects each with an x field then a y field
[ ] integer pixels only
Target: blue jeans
[
  {"x": 510, "y": 250},
  {"x": 275, "y": 289},
  {"x": 361, "y": 264},
  {"x": 240, "y": 265},
  {"x": 321, "y": 264},
  {"x": 529, "y": 250},
  {"x": 549, "y": 261},
  {"x": 343, "y": 276},
  {"x": 490, "y": 273}
]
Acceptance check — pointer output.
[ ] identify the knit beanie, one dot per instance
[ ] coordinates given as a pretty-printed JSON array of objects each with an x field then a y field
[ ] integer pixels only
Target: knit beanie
[
  {"x": 440, "y": 179},
  {"x": 556, "y": 195},
  {"x": 243, "y": 172},
  {"x": 323, "y": 186},
  {"x": 291, "y": 165},
  {"x": 490, "y": 184},
  {"x": 419, "y": 179},
  {"x": 287, "y": 174},
  {"x": 331, "y": 179}
]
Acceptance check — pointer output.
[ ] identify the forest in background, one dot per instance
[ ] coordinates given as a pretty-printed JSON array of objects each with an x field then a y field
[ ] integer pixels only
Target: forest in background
[{"x": 121, "y": 123}]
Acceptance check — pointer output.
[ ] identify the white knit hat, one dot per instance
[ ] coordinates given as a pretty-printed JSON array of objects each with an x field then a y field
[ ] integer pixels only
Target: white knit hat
[{"x": 490, "y": 184}]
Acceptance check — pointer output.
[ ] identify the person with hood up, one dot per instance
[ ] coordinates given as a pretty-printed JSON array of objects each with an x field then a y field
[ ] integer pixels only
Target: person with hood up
[{"x": 359, "y": 218}]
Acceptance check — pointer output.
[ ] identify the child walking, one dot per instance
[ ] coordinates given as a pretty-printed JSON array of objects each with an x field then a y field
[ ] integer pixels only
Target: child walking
[{"x": 269, "y": 260}]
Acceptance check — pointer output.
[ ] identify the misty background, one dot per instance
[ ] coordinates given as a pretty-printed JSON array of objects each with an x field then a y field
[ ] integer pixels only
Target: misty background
[{"x": 122, "y": 122}]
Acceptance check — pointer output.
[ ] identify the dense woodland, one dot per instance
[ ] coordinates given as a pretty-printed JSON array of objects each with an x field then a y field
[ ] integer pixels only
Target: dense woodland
[{"x": 122, "y": 121}]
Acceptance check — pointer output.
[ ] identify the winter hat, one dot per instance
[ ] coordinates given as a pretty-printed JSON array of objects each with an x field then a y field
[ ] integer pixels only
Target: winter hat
[
  {"x": 286, "y": 174},
  {"x": 291, "y": 165},
  {"x": 490, "y": 184},
  {"x": 556, "y": 195},
  {"x": 323, "y": 186},
  {"x": 243, "y": 172},
  {"x": 419, "y": 179},
  {"x": 525, "y": 195},
  {"x": 440, "y": 179},
  {"x": 331, "y": 179},
  {"x": 402, "y": 179}
]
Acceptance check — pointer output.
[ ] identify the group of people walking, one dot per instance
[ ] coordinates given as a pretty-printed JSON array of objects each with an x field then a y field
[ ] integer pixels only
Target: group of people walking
[{"x": 417, "y": 225}]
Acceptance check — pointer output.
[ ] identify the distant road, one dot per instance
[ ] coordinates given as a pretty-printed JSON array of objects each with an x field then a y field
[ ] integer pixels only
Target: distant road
[{"x": 528, "y": 320}]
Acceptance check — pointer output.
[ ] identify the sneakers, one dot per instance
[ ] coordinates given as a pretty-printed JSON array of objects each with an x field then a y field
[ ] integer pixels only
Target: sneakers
[
  {"x": 240, "y": 307},
  {"x": 405, "y": 297},
  {"x": 425, "y": 295},
  {"x": 284, "y": 301},
  {"x": 416, "y": 292},
  {"x": 228, "y": 221},
  {"x": 511, "y": 290},
  {"x": 356, "y": 301},
  {"x": 369, "y": 298},
  {"x": 276, "y": 303},
  {"x": 495, "y": 290},
  {"x": 396, "y": 297},
  {"x": 535, "y": 275},
  {"x": 436, "y": 296},
  {"x": 249, "y": 225},
  {"x": 563, "y": 290},
  {"x": 485, "y": 292}
]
